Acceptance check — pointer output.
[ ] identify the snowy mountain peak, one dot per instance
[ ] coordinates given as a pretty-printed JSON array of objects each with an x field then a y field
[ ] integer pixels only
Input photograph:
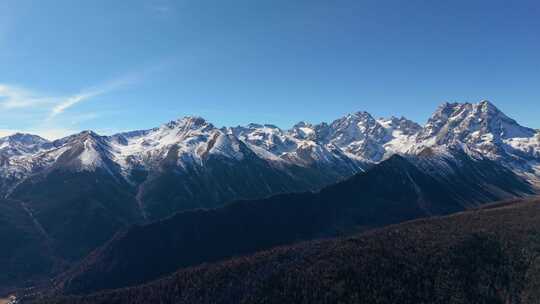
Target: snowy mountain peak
[
  {"x": 268, "y": 137},
  {"x": 189, "y": 123},
  {"x": 22, "y": 144},
  {"x": 482, "y": 129},
  {"x": 80, "y": 137},
  {"x": 25, "y": 138},
  {"x": 84, "y": 151},
  {"x": 402, "y": 124},
  {"x": 359, "y": 119},
  {"x": 303, "y": 124},
  {"x": 351, "y": 141},
  {"x": 355, "y": 127},
  {"x": 488, "y": 106},
  {"x": 88, "y": 134},
  {"x": 304, "y": 130},
  {"x": 471, "y": 123}
]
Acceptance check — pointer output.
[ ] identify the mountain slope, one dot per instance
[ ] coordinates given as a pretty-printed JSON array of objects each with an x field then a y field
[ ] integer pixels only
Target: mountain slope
[
  {"x": 80, "y": 190},
  {"x": 26, "y": 254},
  {"x": 394, "y": 191},
  {"x": 341, "y": 148},
  {"x": 81, "y": 194},
  {"x": 218, "y": 179},
  {"x": 83, "y": 188},
  {"x": 190, "y": 152},
  {"x": 482, "y": 256},
  {"x": 92, "y": 186}
]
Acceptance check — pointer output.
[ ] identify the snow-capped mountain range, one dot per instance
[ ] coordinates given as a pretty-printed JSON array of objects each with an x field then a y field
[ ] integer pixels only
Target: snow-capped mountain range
[
  {"x": 70, "y": 196},
  {"x": 354, "y": 142}
]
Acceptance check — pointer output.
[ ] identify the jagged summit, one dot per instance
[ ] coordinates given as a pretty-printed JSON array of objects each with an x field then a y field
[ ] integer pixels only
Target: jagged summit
[
  {"x": 22, "y": 144},
  {"x": 351, "y": 141},
  {"x": 24, "y": 138},
  {"x": 481, "y": 126},
  {"x": 466, "y": 122},
  {"x": 79, "y": 137},
  {"x": 83, "y": 135},
  {"x": 488, "y": 106},
  {"x": 303, "y": 124},
  {"x": 304, "y": 130},
  {"x": 402, "y": 124},
  {"x": 188, "y": 122}
]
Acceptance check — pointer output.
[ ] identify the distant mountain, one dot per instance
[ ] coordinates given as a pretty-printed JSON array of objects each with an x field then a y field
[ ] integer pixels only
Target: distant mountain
[
  {"x": 83, "y": 188},
  {"x": 21, "y": 144},
  {"x": 342, "y": 148},
  {"x": 483, "y": 129},
  {"x": 393, "y": 191},
  {"x": 190, "y": 164},
  {"x": 348, "y": 145},
  {"x": 203, "y": 162},
  {"x": 16, "y": 157},
  {"x": 474, "y": 124},
  {"x": 482, "y": 256}
]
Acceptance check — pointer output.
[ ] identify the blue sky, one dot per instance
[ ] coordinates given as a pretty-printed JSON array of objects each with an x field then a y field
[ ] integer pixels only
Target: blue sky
[{"x": 69, "y": 65}]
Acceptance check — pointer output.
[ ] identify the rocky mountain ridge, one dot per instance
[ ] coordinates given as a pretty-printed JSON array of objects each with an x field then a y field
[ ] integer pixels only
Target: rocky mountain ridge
[
  {"x": 93, "y": 186},
  {"x": 345, "y": 146}
]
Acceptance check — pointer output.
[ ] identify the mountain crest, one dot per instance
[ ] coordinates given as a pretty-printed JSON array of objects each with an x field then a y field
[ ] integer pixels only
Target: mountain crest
[
  {"x": 471, "y": 123},
  {"x": 350, "y": 141},
  {"x": 402, "y": 124},
  {"x": 189, "y": 123},
  {"x": 488, "y": 106},
  {"x": 22, "y": 144},
  {"x": 25, "y": 138}
]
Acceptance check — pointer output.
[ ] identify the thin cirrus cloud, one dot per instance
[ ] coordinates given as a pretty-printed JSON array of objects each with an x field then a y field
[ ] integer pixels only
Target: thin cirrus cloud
[
  {"x": 73, "y": 100},
  {"x": 41, "y": 111},
  {"x": 26, "y": 110},
  {"x": 108, "y": 87},
  {"x": 13, "y": 97}
]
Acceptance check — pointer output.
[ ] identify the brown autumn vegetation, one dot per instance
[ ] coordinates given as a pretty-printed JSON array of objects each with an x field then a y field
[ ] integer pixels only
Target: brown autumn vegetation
[{"x": 489, "y": 255}]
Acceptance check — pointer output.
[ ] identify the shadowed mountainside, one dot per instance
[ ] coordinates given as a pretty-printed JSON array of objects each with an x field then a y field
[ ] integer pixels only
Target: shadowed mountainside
[
  {"x": 489, "y": 255},
  {"x": 391, "y": 192}
]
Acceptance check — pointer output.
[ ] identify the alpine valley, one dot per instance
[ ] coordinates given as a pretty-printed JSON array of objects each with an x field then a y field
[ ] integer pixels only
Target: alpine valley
[{"x": 89, "y": 212}]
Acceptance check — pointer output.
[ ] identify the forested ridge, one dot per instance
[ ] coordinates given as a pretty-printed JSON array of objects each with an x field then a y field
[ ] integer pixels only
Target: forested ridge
[{"x": 489, "y": 255}]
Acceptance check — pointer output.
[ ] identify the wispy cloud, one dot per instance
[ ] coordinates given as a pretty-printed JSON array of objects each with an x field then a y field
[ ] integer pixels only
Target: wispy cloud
[
  {"x": 30, "y": 111},
  {"x": 41, "y": 112},
  {"x": 13, "y": 97},
  {"x": 73, "y": 100}
]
